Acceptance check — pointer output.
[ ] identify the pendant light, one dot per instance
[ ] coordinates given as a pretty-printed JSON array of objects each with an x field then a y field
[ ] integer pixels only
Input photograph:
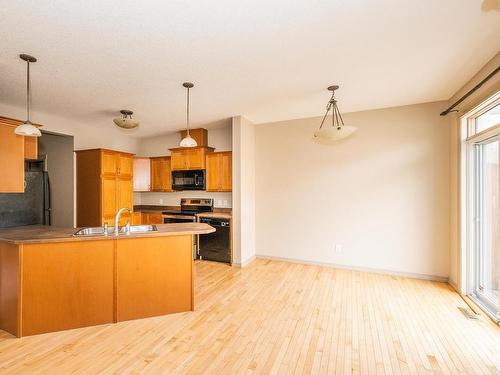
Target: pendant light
[
  {"x": 126, "y": 121},
  {"x": 188, "y": 141},
  {"x": 338, "y": 130},
  {"x": 27, "y": 129}
]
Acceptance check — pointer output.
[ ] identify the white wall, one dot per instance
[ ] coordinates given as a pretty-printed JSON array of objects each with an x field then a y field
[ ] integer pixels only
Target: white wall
[
  {"x": 220, "y": 138},
  {"x": 383, "y": 194},
  {"x": 243, "y": 191}
]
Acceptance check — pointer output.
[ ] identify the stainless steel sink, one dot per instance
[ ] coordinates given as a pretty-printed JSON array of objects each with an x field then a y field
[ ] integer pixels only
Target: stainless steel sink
[{"x": 99, "y": 231}]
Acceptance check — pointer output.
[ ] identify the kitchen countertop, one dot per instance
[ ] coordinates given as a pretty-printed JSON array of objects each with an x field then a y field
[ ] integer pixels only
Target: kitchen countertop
[
  {"x": 44, "y": 233},
  {"x": 220, "y": 215}
]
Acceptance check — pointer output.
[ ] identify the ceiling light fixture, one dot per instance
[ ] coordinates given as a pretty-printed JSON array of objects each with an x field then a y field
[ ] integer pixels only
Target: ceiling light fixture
[
  {"x": 126, "y": 121},
  {"x": 188, "y": 141},
  {"x": 27, "y": 129},
  {"x": 338, "y": 130}
]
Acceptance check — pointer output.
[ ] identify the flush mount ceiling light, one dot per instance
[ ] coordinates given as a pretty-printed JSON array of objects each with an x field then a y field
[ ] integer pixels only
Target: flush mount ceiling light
[
  {"x": 338, "y": 130},
  {"x": 27, "y": 129},
  {"x": 187, "y": 141},
  {"x": 126, "y": 121}
]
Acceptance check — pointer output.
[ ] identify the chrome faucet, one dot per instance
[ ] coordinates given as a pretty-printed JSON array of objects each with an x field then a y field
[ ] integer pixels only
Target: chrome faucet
[{"x": 117, "y": 221}]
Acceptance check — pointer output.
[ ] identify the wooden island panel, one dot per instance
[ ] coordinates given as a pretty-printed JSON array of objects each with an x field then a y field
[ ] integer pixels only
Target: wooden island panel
[
  {"x": 67, "y": 285},
  {"x": 154, "y": 276},
  {"x": 9, "y": 288}
]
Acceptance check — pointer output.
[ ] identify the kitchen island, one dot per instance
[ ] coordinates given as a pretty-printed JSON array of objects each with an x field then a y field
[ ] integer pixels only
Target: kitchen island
[{"x": 51, "y": 280}]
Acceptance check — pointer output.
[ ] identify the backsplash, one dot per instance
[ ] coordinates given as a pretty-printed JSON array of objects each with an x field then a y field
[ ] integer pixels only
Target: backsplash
[{"x": 221, "y": 200}]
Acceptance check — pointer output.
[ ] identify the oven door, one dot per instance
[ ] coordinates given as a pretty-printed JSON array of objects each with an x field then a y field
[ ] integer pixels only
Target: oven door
[{"x": 188, "y": 180}]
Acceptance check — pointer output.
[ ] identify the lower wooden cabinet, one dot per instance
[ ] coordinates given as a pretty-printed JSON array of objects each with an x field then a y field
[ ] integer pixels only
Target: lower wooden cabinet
[
  {"x": 151, "y": 218},
  {"x": 219, "y": 171}
]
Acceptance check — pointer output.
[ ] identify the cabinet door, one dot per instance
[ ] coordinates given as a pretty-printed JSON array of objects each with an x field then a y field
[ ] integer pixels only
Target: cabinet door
[
  {"x": 11, "y": 160},
  {"x": 213, "y": 172},
  {"x": 109, "y": 163},
  {"x": 125, "y": 165},
  {"x": 142, "y": 174},
  {"x": 226, "y": 168},
  {"x": 166, "y": 177},
  {"x": 195, "y": 158},
  {"x": 125, "y": 196},
  {"x": 109, "y": 191},
  {"x": 156, "y": 175},
  {"x": 178, "y": 160},
  {"x": 31, "y": 148},
  {"x": 136, "y": 218}
]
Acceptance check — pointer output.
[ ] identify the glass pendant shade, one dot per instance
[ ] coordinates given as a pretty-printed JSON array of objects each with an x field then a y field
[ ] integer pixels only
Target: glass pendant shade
[
  {"x": 188, "y": 141},
  {"x": 126, "y": 123},
  {"x": 28, "y": 130},
  {"x": 334, "y": 134}
]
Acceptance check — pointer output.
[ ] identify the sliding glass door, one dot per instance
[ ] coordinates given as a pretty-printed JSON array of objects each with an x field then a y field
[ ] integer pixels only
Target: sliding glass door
[
  {"x": 484, "y": 234},
  {"x": 486, "y": 241}
]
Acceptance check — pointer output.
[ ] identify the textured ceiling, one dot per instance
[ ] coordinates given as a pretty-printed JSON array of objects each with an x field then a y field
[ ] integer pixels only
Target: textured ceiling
[{"x": 267, "y": 60}]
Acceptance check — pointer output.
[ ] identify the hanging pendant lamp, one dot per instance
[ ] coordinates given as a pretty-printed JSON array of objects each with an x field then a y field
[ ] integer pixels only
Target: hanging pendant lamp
[
  {"x": 188, "y": 141},
  {"x": 338, "y": 130},
  {"x": 126, "y": 121},
  {"x": 27, "y": 129}
]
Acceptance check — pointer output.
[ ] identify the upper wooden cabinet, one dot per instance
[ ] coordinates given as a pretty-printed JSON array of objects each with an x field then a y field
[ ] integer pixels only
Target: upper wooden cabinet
[
  {"x": 192, "y": 158},
  {"x": 161, "y": 178},
  {"x": 142, "y": 174},
  {"x": 200, "y": 135},
  {"x": 11, "y": 159},
  {"x": 31, "y": 148},
  {"x": 219, "y": 171},
  {"x": 104, "y": 185}
]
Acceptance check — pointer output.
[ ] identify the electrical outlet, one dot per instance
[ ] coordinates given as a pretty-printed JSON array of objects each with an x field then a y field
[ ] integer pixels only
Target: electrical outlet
[
  {"x": 219, "y": 202},
  {"x": 338, "y": 248},
  {"x": 225, "y": 203},
  {"x": 161, "y": 200}
]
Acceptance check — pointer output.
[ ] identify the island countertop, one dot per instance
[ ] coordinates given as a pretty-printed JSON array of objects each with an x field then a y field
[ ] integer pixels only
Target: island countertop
[{"x": 45, "y": 233}]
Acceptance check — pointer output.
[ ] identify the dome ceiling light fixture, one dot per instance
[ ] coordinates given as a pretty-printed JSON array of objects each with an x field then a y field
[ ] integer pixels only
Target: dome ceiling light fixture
[
  {"x": 338, "y": 130},
  {"x": 126, "y": 121},
  {"x": 188, "y": 141},
  {"x": 27, "y": 129}
]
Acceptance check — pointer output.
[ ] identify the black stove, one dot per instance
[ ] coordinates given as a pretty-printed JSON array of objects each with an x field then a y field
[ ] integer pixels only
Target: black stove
[{"x": 189, "y": 208}]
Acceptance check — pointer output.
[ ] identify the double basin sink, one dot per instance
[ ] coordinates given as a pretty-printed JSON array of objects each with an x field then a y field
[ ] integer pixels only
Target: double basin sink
[{"x": 100, "y": 231}]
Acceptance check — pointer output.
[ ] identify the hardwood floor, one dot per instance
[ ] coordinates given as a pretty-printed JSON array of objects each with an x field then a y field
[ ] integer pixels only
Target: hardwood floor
[{"x": 279, "y": 318}]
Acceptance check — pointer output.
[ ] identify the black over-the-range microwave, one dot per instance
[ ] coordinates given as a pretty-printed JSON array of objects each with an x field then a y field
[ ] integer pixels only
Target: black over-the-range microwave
[{"x": 188, "y": 180}]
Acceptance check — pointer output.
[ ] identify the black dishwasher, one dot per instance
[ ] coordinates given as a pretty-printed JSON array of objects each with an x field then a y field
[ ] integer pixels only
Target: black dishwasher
[{"x": 216, "y": 246}]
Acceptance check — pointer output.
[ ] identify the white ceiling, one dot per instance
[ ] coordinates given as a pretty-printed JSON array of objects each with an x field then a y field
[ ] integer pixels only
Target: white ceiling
[{"x": 268, "y": 60}]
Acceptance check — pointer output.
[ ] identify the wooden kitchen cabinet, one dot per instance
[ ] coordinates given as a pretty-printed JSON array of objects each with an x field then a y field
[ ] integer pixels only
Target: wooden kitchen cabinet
[
  {"x": 161, "y": 177},
  {"x": 189, "y": 158},
  {"x": 151, "y": 218},
  {"x": 31, "y": 148},
  {"x": 142, "y": 174},
  {"x": 219, "y": 171},
  {"x": 104, "y": 185},
  {"x": 11, "y": 158}
]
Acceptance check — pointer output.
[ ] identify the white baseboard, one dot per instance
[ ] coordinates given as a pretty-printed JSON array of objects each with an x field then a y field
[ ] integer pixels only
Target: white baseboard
[
  {"x": 361, "y": 269},
  {"x": 244, "y": 263}
]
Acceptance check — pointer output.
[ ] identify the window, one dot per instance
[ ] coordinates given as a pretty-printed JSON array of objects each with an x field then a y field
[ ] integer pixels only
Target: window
[
  {"x": 488, "y": 119},
  {"x": 483, "y": 209}
]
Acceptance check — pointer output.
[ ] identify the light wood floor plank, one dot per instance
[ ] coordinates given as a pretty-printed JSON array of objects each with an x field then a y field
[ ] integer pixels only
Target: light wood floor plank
[{"x": 279, "y": 318}]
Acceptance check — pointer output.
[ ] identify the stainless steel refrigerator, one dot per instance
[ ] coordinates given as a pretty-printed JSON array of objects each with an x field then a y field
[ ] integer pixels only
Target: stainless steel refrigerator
[{"x": 31, "y": 207}]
